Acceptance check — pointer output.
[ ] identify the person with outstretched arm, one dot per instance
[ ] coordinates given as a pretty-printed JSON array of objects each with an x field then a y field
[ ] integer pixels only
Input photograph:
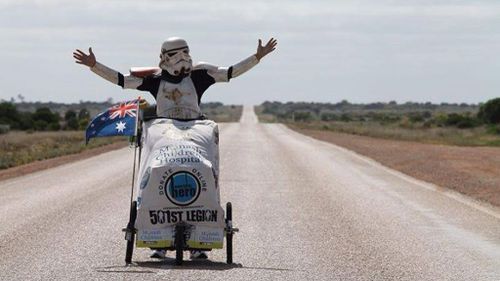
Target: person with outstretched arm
[{"x": 177, "y": 85}]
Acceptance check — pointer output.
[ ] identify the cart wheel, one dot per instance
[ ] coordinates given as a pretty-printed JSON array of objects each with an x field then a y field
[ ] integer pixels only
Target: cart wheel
[
  {"x": 229, "y": 233},
  {"x": 179, "y": 244},
  {"x": 130, "y": 233}
]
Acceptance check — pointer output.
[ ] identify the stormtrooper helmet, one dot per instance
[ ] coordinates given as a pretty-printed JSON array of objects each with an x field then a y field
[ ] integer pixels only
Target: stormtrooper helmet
[{"x": 175, "y": 58}]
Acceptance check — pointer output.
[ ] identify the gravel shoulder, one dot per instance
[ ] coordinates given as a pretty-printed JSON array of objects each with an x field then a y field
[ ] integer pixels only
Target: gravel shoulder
[{"x": 473, "y": 171}]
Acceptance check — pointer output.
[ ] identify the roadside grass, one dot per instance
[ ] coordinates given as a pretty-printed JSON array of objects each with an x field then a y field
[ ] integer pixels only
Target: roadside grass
[
  {"x": 478, "y": 136},
  {"x": 23, "y": 147},
  {"x": 404, "y": 130},
  {"x": 18, "y": 148},
  {"x": 265, "y": 118}
]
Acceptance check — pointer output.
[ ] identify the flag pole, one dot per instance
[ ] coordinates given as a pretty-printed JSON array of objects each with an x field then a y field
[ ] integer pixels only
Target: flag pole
[
  {"x": 136, "y": 144},
  {"x": 130, "y": 229}
]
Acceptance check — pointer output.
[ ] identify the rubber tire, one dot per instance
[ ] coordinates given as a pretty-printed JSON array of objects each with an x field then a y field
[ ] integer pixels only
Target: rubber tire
[
  {"x": 130, "y": 225},
  {"x": 179, "y": 244},
  {"x": 229, "y": 235}
]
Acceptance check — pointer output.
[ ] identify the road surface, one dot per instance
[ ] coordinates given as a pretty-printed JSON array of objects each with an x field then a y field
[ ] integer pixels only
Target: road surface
[{"x": 307, "y": 210}]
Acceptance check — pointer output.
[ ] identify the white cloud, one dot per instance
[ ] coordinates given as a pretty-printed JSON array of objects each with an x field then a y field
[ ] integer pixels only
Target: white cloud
[{"x": 327, "y": 49}]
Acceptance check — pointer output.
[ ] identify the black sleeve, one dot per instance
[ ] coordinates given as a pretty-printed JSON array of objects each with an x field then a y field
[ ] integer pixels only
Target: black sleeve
[
  {"x": 121, "y": 80},
  {"x": 201, "y": 80},
  {"x": 229, "y": 73},
  {"x": 150, "y": 84}
]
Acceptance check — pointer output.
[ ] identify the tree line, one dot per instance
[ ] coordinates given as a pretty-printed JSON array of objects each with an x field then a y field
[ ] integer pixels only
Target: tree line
[
  {"x": 426, "y": 114},
  {"x": 42, "y": 119},
  {"x": 56, "y": 116}
]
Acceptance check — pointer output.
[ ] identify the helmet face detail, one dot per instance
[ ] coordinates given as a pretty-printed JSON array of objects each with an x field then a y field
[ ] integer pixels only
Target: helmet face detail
[{"x": 175, "y": 58}]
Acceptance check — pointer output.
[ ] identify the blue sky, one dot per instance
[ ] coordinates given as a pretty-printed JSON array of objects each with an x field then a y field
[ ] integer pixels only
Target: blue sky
[{"x": 359, "y": 50}]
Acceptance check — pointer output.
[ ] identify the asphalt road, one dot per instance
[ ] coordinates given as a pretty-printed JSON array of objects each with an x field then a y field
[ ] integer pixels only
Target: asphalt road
[{"x": 307, "y": 210}]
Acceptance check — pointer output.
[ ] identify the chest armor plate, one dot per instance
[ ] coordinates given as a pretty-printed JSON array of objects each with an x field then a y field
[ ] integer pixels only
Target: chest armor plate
[{"x": 177, "y": 100}]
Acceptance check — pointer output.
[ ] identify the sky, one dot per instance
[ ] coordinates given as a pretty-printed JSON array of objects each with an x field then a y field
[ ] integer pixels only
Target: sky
[{"x": 356, "y": 50}]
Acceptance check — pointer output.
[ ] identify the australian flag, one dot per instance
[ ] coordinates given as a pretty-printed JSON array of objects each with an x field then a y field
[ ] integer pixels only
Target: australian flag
[{"x": 118, "y": 120}]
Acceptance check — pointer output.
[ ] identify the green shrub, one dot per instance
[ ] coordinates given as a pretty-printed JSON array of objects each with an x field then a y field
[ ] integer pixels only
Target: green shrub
[
  {"x": 84, "y": 114},
  {"x": 40, "y": 125},
  {"x": 453, "y": 119},
  {"x": 46, "y": 115},
  {"x": 345, "y": 117},
  {"x": 9, "y": 115},
  {"x": 72, "y": 124},
  {"x": 302, "y": 116},
  {"x": 490, "y": 111},
  {"x": 462, "y": 121},
  {"x": 54, "y": 126},
  {"x": 440, "y": 120},
  {"x": 416, "y": 117},
  {"x": 328, "y": 116},
  {"x": 83, "y": 123},
  {"x": 70, "y": 114},
  {"x": 468, "y": 122},
  {"x": 26, "y": 121}
]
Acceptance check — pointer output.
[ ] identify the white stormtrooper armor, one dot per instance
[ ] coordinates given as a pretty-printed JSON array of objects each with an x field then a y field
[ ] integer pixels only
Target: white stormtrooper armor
[{"x": 179, "y": 86}]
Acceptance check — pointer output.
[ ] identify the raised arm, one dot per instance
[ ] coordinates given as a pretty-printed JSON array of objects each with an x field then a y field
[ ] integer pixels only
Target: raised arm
[
  {"x": 113, "y": 76},
  {"x": 246, "y": 64},
  {"x": 224, "y": 74}
]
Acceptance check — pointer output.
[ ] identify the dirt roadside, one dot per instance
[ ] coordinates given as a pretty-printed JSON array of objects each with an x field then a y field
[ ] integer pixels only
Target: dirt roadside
[
  {"x": 54, "y": 162},
  {"x": 473, "y": 171}
]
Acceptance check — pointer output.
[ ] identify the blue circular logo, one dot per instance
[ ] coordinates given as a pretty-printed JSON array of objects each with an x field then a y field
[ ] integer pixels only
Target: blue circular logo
[{"x": 182, "y": 188}]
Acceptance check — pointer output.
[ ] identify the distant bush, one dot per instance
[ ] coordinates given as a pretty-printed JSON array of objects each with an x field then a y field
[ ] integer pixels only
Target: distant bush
[
  {"x": 468, "y": 122},
  {"x": 9, "y": 115},
  {"x": 71, "y": 120},
  {"x": 453, "y": 119},
  {"x": 490, "y": 111},
  {"x": 302, "y": 116},
  {"x": 84, "y": 114},
  {"x": 383, "y": 118},
  {"x": 54, "y": 126},
  {"x": 72, "y": 124},
  {"x": 45, "y": 114},
  {"x": 462, "y": 121},
  {"x": 26, "y": 121},
  {"x": 416, "y": 117},
  {"x": 40, "y": 125},
  {"x": 83, "y": 123},
  {"x": 211, "y": 105},
  {"x": 328, "y": 116},
  {"x": 345, "y": 117}
]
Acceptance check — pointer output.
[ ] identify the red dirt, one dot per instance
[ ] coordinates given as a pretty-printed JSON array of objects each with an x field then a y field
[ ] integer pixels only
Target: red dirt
[{"x": 473, "y": 171}]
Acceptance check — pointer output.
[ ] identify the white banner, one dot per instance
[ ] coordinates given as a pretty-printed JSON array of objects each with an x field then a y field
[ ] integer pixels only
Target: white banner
[{"x": 178, "y": 177}]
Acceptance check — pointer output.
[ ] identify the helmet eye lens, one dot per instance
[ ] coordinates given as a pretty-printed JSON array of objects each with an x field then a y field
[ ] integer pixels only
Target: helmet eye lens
[{"x": 175, "y": 52}]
